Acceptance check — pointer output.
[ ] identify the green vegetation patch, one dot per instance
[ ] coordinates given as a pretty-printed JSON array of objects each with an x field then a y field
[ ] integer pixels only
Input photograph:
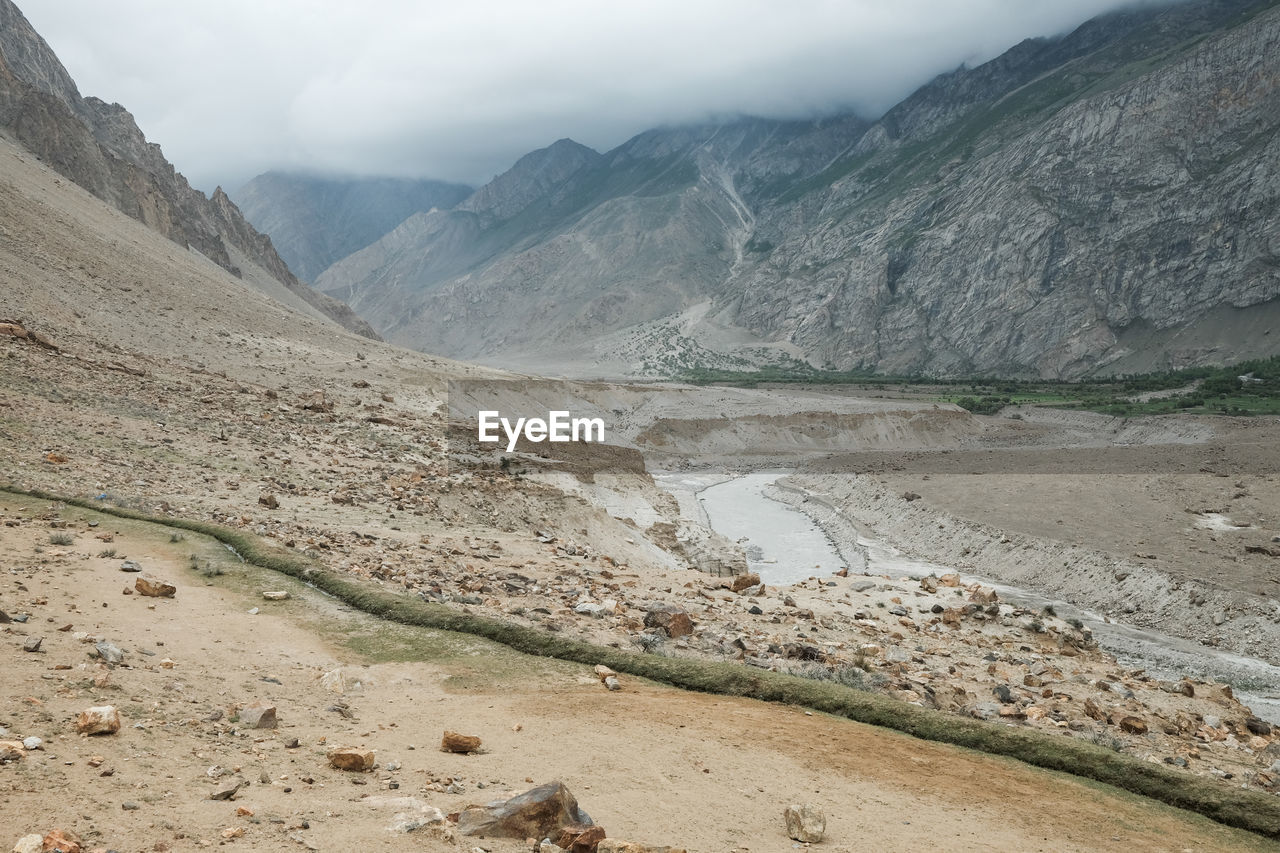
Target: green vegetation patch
[{"x": 1245, "y": 388}]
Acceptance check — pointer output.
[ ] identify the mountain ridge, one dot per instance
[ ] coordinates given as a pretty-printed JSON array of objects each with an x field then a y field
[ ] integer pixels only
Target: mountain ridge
[
  {"x": 100, "y": 147},
  {"x": 852, "y": 243}
]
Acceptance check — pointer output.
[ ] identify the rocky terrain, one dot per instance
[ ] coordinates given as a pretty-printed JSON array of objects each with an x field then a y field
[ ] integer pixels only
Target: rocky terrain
[
  {"x": 162, "y": 694},
  {"x": 1094, "y": 202},
  {"x": 227, "y": 740},
  {"x": 99, "y": 147}
]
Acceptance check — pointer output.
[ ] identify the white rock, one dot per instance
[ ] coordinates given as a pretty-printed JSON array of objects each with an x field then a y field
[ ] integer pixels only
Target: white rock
[
  {"x": 99, "y": 720},
  {"x": 805, "y": 823},
  {"x": 32, "y": 743},
  {"x": 334, "y": 681},
  {"x": 29, "y": 844}
]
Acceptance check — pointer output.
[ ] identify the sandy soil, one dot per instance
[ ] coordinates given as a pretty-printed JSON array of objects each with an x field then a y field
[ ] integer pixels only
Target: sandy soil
[{"x": 649, "y": 763}]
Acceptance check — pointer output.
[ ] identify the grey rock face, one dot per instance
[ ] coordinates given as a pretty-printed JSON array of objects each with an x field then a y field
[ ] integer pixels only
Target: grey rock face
[
  {"x": 100, "y": 147},
  {"x": 314, "y": 221},
  {"x": 1104, "y": 200}
]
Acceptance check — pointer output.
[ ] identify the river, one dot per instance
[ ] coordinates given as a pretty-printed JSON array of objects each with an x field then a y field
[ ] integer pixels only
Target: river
[{"x": 785, "y": 545}]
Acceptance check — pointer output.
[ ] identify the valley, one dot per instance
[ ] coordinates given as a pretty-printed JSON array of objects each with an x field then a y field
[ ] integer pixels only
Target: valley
[{"x": 264, "y": 587}]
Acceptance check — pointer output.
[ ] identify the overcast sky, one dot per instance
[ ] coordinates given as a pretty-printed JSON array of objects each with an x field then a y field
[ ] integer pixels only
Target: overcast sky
[{"x": 459, "y": 90}]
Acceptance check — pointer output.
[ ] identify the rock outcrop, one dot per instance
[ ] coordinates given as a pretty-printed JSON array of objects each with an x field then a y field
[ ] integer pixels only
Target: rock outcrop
[{"x": 536, "y": 813}]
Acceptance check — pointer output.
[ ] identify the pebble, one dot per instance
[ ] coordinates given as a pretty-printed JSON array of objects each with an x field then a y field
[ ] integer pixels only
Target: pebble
[{"x": 32, "y": 644}]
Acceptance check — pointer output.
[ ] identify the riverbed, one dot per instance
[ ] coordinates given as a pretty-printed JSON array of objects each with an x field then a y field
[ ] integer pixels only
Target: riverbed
[{"x": 788, "y": 541}]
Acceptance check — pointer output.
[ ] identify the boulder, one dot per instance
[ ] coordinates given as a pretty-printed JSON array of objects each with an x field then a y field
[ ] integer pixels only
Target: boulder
[
  {"x": 99, "y": 720},
  {"x": 276, "y": 595},
  {"x": 154, "y": 587},
  {"x": 1133, "y": 725},
  {"x": 29, "y": 844},
  {"x": 580, "y": 838},
  {"x": 352, "y": 759},
  {"x": 669, "y": 619},
  {"x": 537, "y": 813},
  {"x": 334, "y": 681},
  {"x": 109, "y": 652},
  {"x": 227, "y": 790},
  {"x": 258, "y": 715},
  {"x": 745, "y": 582},
  {"x": 805, "y": 822},
  {"x": 1258, "y": 726},
  {"x": 980, "y": 595},
  {"x": 454, "y": 742},
  {"x": 62, "y": 841}
]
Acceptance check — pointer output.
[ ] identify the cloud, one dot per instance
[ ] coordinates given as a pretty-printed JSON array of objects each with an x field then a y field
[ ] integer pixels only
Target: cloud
[{"x": 458, "y": 91}]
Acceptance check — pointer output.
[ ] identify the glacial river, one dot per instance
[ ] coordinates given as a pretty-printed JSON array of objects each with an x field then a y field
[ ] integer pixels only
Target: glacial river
[{"x": 784, "y": 546}]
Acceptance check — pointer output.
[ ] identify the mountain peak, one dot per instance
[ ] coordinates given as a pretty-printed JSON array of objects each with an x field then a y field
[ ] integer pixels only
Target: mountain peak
[{"x": 530, "y": 178}]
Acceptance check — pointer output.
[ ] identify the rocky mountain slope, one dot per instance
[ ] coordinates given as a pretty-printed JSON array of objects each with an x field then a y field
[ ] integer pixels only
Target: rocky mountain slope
[
  {"x": 99, "y": 146},
  {"x": 314, "y": 221},
  {"x": 1100, "y": 201},
  {"x": 145, "y": 376}
]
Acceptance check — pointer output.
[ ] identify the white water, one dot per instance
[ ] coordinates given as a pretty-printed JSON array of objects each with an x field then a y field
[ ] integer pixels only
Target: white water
[
  {"x": 788, "y": 546},
  {"x": 783, "y": 545}
]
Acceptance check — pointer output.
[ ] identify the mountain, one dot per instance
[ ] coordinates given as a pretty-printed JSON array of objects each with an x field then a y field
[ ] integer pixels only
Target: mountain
[
  {"x": 99, "y": 147},
  {"x": 1100, "y": 201},
  {"x": 314, "y": 220}
]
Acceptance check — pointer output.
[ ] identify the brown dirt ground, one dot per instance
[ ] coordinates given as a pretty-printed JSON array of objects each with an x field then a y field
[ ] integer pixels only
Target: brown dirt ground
[{"x": 649, "y": 763}]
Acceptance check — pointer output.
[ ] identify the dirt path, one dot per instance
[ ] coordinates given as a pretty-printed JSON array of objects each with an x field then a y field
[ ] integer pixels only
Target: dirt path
[{"x": 649, "y": 763}]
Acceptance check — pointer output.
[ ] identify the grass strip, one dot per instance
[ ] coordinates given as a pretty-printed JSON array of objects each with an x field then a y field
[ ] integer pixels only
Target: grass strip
[{"x": 1249, "y": 810}]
